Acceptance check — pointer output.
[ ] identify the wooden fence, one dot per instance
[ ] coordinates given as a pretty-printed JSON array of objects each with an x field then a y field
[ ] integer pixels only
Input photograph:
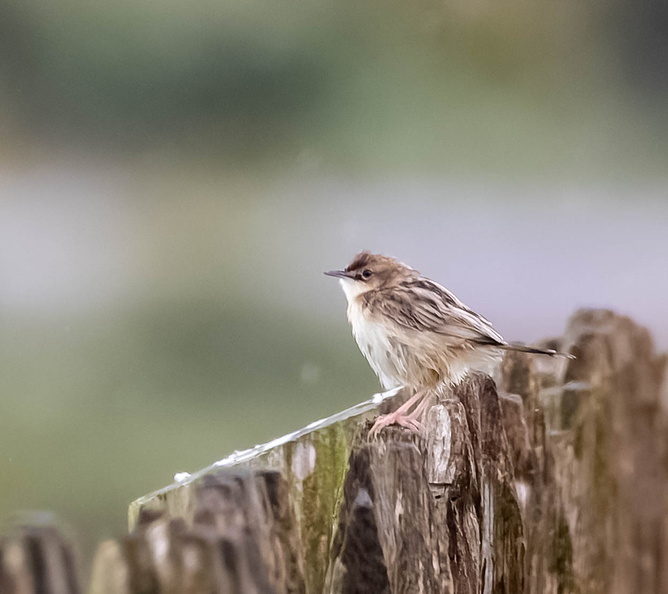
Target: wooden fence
[{"x": 551, "y": 480}]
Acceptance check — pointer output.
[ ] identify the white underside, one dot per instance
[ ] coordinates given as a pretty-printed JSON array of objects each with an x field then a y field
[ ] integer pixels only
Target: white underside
[{"x": 405, "y": 357}]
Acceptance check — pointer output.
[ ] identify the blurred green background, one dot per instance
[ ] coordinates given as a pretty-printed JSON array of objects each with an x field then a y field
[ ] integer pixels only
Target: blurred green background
[{"x": 174, "y": 178}]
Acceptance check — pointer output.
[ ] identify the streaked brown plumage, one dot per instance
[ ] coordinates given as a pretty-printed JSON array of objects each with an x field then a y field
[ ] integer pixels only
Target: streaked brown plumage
[{"x": 413, "y": 331}]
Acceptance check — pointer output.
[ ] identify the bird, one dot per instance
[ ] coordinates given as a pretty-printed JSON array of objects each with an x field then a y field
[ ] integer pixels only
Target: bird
[{"x": 415, "y": 333}]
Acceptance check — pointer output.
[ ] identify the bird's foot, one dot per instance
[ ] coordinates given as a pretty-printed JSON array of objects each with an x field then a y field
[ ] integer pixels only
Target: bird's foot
[{"x": 396, "y": 418}]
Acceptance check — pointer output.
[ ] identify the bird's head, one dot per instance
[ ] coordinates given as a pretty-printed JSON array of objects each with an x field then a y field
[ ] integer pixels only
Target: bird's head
[{"x": 369, "y": 271}]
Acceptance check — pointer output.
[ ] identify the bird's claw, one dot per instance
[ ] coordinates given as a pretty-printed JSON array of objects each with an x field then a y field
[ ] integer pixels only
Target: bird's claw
[{"x": 405, "y": 421}]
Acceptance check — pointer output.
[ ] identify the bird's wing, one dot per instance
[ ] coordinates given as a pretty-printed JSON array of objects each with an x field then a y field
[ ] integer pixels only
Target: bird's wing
[{"x": 423, "y": 305}]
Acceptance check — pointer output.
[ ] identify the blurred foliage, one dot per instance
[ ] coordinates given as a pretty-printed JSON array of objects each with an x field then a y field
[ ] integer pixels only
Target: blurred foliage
[{"x": 375, "y": 83}]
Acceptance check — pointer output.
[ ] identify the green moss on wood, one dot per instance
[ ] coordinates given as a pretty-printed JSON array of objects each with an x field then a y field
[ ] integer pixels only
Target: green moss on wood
[{"x": 322, "y": 492}]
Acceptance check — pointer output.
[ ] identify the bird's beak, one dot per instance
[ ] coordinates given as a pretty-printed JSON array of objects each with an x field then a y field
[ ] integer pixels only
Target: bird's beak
[{"x": 339, "y": 274}]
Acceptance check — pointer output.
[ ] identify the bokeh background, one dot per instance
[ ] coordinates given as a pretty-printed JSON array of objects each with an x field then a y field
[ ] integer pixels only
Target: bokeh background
[{"x": 175, "y": 176}]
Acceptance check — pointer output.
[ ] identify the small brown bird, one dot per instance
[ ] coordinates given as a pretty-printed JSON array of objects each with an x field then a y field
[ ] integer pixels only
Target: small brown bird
[{"x": 416, "y": 333}]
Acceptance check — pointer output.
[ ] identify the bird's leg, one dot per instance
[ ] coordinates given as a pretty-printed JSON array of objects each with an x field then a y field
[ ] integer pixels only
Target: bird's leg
[
  {"x": 419, "y": 409},
  {"x": 400, "y": 416}
]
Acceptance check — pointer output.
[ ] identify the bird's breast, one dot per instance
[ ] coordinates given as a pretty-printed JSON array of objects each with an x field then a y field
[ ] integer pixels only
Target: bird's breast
[
  {"x": 371, "y": 336},
  {"x": 379, "y": 345}
]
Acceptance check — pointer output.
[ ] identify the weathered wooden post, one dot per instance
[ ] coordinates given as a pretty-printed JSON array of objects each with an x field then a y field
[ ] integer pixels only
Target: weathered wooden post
[
  {"x": 36, "y": 558},
  {"x": 551, "y": 480}
]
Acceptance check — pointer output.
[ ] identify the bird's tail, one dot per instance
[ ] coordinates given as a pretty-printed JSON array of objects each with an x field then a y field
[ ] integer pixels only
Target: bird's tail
[{"x": 527, "y": 349}]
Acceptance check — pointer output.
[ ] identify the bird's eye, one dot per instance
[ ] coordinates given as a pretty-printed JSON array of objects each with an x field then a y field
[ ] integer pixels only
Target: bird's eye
[{"x": 367, "y": 273}]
